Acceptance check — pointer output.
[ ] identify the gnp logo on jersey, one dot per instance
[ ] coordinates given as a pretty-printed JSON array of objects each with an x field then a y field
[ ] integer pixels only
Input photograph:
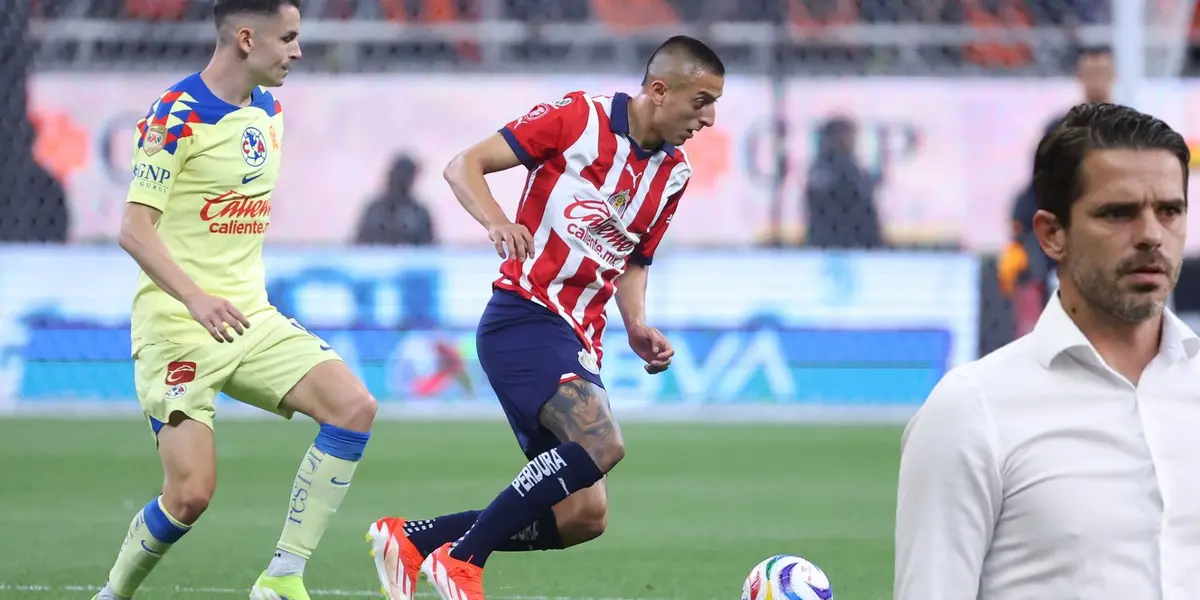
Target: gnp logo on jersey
[
  {"x": 180, "y": 371},
  {"x": 154, "y": 139},
  {"x": 254, "y": 147}
]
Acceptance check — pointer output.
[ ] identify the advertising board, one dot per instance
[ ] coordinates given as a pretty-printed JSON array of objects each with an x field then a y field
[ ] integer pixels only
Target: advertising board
[{"x": 751, "y": 330}]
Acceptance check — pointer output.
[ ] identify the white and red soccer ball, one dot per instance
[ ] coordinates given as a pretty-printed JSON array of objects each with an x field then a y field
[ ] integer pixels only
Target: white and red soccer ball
[{"x": 784, "y": 577}]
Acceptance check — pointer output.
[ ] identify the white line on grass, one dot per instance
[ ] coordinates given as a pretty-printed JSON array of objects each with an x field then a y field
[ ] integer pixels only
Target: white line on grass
[{"x": 246, "y": 592}]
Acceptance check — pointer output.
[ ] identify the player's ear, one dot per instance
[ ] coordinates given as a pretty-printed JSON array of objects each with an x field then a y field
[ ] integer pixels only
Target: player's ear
[
  {"x": 244, "y": 39},
  {"x": 658, "y": 91},
  {"x": 1051, "y": 234}
]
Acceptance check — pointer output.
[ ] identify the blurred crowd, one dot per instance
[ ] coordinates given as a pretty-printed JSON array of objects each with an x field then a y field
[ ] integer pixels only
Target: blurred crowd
[
  {"x": 627, "y": 12},
  {"x": 951, "y": 49}
]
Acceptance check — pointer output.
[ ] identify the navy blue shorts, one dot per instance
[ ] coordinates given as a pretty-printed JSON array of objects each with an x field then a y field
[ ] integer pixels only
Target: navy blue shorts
[{"x": 527, "y": 350}]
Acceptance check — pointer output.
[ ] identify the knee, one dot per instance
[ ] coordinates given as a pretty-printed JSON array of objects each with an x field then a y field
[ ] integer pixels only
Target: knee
[
  {"x": 186, "y": 500},
  {"x": 607, "y": 452},
  {"x": 356, "y": 411},
  {"x": 585, "y": 523},
  {"x": 364, "y": 408}
]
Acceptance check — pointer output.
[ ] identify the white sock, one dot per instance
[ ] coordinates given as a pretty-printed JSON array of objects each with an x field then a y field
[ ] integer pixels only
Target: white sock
[
  {"x": 108, "y": 594},
  {"x": 285, "y": 563}
]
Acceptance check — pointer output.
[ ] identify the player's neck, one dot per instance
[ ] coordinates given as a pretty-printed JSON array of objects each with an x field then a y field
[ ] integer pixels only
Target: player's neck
[
  {"x": 228, "y": 79},
  {"x": 1124, "y": 346},
  {"x": 640, "y": 111}
]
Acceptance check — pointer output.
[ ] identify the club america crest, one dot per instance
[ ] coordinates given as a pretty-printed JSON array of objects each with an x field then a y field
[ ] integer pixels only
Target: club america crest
[
  {"x": 154, "y": 139},
  {"x": 619, "y": 202}
]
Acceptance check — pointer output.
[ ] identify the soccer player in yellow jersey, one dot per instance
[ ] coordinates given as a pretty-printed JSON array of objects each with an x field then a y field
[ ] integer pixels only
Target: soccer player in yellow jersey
[{"x": 207, "y": 157}]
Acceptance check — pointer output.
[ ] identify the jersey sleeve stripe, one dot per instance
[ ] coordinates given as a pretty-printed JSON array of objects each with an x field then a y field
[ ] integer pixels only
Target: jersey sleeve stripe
[{"x": 517, "y": 149}]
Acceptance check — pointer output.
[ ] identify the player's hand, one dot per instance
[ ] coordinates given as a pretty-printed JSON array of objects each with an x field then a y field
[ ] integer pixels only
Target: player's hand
[
  {"x": 512, "y": 239},
  {"x": 217, "y": 315},
  {"x": 651, "y": 346}
]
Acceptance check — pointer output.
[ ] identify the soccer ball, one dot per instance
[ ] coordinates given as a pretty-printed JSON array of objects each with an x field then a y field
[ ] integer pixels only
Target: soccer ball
[{"x": 784, "y": 577}]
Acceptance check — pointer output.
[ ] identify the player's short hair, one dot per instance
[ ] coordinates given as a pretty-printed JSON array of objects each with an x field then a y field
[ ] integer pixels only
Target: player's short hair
[
  {"x": 222, "y": 9},
  {"x": 693, "y": 49},
  {"x": 1057, "y": 177}
]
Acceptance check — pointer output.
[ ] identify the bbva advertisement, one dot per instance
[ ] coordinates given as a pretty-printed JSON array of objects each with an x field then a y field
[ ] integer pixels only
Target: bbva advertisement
[{"x": 750, "y": 329}]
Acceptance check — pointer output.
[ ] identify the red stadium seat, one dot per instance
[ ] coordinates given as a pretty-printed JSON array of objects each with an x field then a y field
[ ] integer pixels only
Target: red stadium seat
[
  {"x": 634, "y": 14},
  {"x": 156, "y": 10},
  {"x": 431, "y": 11},
  {"x": 1012, "y": 13},
  {"x": 844, "y": 12}
]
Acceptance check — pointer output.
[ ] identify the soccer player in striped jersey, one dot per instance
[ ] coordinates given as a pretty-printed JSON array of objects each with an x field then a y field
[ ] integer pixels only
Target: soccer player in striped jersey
[
  {"x": 606, "y": 174},
  {"x": 205, "y": 164}
]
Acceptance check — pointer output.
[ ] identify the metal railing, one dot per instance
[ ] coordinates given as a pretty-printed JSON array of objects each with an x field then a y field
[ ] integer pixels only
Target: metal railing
[{"x": 381, "y": 45}]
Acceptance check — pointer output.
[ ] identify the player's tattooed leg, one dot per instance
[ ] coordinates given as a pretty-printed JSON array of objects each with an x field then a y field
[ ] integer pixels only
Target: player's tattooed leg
[
  {"x": 579, "y": 412},
  {"x": 579, "y": 415}
]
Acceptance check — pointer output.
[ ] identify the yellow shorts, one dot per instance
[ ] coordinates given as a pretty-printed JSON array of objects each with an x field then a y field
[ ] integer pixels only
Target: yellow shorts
[{"x": 258, "y": 368}]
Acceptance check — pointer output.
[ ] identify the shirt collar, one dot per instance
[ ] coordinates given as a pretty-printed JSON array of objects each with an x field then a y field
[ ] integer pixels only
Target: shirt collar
[
  {"x": 1056, "y": 334},
  {"x": 618, "y": 122}
]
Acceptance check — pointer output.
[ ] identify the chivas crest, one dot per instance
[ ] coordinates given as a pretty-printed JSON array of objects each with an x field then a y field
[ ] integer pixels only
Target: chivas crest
[{"x": 619, "y": 202}]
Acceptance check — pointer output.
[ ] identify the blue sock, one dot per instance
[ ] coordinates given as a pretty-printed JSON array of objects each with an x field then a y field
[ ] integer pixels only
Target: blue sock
[
  {"x": 542, "y": 534},
  {"x": 430, "y": 534},
  {"x": 547, "y": 480}
]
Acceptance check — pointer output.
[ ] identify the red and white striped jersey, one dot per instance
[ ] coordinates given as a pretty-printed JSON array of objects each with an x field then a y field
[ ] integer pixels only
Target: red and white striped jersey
[{"x": 593, "y": 200}]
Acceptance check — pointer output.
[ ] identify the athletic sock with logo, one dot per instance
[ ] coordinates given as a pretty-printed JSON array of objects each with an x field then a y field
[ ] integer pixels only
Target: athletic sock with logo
[
  {"x": 320, "y": 486},
  {"x": 547, "y": 480},
  {"x": 430, "y": 534},
  {"x": 151, "y": 533}
]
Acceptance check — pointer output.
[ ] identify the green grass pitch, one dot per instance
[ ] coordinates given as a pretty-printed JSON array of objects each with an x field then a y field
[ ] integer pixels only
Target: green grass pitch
[{"x": 693, "y": 508}]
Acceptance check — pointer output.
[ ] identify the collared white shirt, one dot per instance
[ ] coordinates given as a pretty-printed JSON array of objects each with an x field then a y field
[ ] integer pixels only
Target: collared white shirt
[{"x": 1038, "y": 472}]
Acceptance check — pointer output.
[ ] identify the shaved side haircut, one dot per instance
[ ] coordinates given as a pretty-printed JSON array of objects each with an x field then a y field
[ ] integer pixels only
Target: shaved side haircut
[{"x": 682, "y": 54}]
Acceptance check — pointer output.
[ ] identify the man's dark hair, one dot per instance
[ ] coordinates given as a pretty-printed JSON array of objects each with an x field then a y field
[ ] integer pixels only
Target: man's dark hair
[
  {"x": 223, "y": 8},
  {"x": 1099, "y": 50},
  {"x": 691, "y": 49},
  {"x": 1057, "y": 167}
]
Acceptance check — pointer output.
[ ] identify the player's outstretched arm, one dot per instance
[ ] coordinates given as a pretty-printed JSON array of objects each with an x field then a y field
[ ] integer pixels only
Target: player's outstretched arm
[
  {"x": 949, "y": 495},
  {"x": 466, "y": 175},
  {"x": 140, "y": 239}
]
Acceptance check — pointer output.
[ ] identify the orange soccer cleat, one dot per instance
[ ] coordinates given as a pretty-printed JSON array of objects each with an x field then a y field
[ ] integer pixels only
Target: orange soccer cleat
[
  {"x": 452, "y": 578},
  {"x": 397, "y": 560}
]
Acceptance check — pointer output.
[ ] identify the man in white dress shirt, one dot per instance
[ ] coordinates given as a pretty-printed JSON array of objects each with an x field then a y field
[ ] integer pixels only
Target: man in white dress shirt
[{"x": 1066, "y": 465}]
